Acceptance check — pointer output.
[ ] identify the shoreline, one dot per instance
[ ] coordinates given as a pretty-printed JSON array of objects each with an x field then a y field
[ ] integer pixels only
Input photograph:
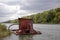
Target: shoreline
[{"x": 36, "y": 23}]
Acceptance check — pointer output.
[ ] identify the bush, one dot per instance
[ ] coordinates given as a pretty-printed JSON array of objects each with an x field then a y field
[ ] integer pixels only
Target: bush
[{"x": 3, "y": 31}]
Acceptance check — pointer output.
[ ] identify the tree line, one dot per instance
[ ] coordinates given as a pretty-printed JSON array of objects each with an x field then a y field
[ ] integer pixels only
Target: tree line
[{"x": 50, "y": 16}]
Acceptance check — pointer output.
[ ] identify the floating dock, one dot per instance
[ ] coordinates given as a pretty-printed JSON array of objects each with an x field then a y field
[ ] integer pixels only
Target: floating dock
[{"x": 26, "y": 27}]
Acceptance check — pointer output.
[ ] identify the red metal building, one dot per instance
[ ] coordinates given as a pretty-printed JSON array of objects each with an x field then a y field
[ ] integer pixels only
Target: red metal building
[{"x": 26, "y": 26}]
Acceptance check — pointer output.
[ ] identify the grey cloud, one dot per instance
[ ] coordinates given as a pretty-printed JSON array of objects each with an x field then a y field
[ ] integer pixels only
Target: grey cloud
[
  {"x": 6, "y": 12},
  {"x": 17, "y": 2},
  {"x": 27, "y": 5},
  {"x": 10, "y": 2},
  {"x": 34, "y": 5},
  {"x": 38, "y": 5}
]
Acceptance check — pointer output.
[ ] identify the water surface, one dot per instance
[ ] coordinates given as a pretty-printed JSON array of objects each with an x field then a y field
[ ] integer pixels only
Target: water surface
[{"x": 49, "y": 32}]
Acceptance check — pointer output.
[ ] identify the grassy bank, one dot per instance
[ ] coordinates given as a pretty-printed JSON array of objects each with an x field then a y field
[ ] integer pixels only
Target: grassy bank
[{"x": 3, "y": 31}]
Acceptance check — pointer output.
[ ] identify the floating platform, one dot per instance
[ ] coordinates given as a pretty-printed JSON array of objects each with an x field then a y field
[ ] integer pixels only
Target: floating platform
[{"x": 26, "y": 27}]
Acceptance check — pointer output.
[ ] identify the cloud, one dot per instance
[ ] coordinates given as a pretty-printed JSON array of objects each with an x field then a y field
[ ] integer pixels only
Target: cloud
[
  {"x": 8, "y": 12},
  {"x": 10, "y": 2},
  {"x": 12, "y": 9},
  {"x": 39, "y": 5}
]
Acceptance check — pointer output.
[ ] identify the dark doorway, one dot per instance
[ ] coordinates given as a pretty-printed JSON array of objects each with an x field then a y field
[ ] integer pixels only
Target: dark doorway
[{"x": 27, "y": 29}]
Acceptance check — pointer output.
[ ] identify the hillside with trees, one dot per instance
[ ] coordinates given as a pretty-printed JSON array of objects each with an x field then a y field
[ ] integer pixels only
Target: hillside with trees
[
  {"x": 11, "y": 21},
  {"x": 49, "y": 17}
]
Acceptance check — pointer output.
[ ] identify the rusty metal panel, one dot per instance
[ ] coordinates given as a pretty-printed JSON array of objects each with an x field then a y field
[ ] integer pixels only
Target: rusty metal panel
[{"x": 26, "y": 26}]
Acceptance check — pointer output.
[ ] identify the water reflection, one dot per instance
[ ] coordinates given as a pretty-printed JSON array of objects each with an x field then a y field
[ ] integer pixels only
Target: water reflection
[
  {"x": 25, "y": 37},
  {"x": 18, "y": 37}
]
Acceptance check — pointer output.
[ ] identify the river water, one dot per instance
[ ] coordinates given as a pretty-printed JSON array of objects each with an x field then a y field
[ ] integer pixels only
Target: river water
[{"x": 49, "y": 32}]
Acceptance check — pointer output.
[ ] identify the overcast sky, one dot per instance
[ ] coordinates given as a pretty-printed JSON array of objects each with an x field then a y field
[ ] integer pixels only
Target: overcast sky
[{"x": 12, "y": 9}]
